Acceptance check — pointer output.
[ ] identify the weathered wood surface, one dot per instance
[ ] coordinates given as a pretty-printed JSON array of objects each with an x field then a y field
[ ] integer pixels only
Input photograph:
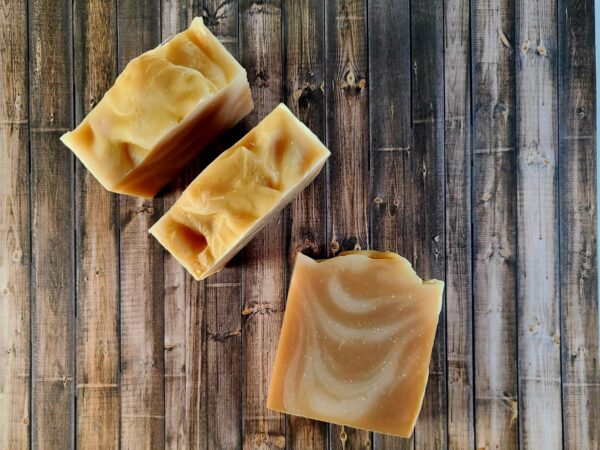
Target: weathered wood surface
[
  {"x": 96, "y": 244},
  {"x": 577, "y": 163},
  {"x": 15, "y": 228},
  {"x": 494, "y": 218},
  {"x": 142, "y": 423},
  {"x": 462, "y": 136},
  {"x": 52, "y": 230},
  {"x": 537, "y": 224},
  {"x": 459, "y": 284},
  {"x": 427, "y": 175}
]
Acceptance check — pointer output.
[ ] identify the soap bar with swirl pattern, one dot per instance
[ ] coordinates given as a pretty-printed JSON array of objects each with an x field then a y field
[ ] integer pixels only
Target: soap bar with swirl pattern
[
  {"x": 230, "y": 201},
  {"x": 356, "y": 342},
  {"x": 165, "y": 107}
]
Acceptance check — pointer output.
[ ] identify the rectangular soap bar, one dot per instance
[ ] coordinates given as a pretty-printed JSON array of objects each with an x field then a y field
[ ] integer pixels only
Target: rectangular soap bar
[
  {"x": 163, "y": 109},
  {"x": 356, "y": 342},
  {"x": 229, "y": 202}
]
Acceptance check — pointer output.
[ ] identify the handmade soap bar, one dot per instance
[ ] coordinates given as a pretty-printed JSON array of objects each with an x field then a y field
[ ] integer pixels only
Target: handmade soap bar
[
  {"x": 165, "y": 107},
  {"x": 227, "y": 204},
  {"x": 356, "y": 342}
]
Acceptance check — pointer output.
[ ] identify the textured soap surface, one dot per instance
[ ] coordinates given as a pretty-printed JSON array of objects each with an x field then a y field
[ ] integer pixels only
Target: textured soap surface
[
  {"x": 227, "y": 204},
  {"x": 356, "y": 342},
  {"x": 161, "y": 112}
]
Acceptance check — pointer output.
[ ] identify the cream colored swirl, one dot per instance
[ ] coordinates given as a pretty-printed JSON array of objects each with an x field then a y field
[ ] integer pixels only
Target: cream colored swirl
[
  {"x": 350, "y": 330},
  {"x": 357, "y": 396},
  {"x": 343, "y": 299}
]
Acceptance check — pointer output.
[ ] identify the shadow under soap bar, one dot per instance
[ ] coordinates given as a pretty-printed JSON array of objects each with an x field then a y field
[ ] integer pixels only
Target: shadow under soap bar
[
  {"x": 230, "y": 201},
  {"x": 356, "y": 342},
  {"x": 163, "y": 109}
]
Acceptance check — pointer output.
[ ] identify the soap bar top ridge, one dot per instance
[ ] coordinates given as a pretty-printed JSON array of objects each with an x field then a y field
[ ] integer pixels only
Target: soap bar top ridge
[
  {"x": 162, "y": 110},
  {"x": 356, "y": 342},
  {"x": 230, "y": 201}
]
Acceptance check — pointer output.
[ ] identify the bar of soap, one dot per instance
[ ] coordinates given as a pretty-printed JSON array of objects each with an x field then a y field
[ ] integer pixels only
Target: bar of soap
[
  {"x": 229, "y": 202},
  {"x": 356, "y": 342},
  {"x": 163, "y": 109}
]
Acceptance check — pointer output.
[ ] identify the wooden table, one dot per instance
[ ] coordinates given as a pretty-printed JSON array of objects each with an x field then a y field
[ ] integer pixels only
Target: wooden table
[{"x": 462, "y": 136}]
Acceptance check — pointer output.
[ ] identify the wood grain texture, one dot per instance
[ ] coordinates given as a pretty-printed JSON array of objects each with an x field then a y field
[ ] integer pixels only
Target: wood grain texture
[
  {"x": 347, "y": 122},
  {"x": 348, "y": 139},
  {"x": 494, "y": 224},
  {"x": 427, "y": 173},
  {"x": 390, "y": 142},
  {"x": 408, "y": 95},
  {"x": 141, "y": 272},
  {"x": 223, "y": 290},
  {"x": 53, "y": 311},
  {"x": 305, "y": 219},
  {"x": 537, "y": 224},
  {"x": 459, "y": 294},
  {"x": 186, "y": 386},
  {"x": 14, "y": 229},
  {"x": 223, "y": 353},
  {"x": 202, "y": 319},
  {"x": 264, "y": 259},
  {"x": 578, "y": 226},
  {"x": 97, "y": 247}
]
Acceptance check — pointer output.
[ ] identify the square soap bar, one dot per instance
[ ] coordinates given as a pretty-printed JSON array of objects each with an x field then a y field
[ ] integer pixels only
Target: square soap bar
[
  {"x": 230, "y": 201},
  {"x": 356, "y": 342},
  {"x": 163, "y": 109}
]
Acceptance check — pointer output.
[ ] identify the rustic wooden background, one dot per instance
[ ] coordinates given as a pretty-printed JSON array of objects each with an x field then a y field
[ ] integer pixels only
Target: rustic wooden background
[{"x": 462, "y": 135}]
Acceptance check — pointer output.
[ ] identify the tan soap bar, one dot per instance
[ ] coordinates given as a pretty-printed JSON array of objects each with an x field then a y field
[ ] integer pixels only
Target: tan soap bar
[
  {"x": 163, "y": 109},
  {"x": 356, "y": 342},
  {"x": 228, "y": 203}
]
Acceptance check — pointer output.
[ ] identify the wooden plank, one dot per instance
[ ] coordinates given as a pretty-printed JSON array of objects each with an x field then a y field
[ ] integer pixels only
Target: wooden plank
[
  {"x": 223, "y": 353},
  {"x": 141, "y": 272},
  {"x": 223, "y": 290},
  {"x": 53, "y": 311},
  {"x": 186, "y": 386},
  {"x": 494, "y": 224},
  {"x": 427, "y": 173},
  {"x": 305, "y": 219},
  {"x": 14, "y": 229},
  {"x": 96, "y": 257},
  {"x": 537, "y": 225},
  {"x": 578, "y": 226},
  {"x": 264, "y": 259},
  {"x": 459, "y": 294},
  {"x": 347, "y": 123},
  {"x": 348, "y": 139},
  {"x": 390, "y": 142}
]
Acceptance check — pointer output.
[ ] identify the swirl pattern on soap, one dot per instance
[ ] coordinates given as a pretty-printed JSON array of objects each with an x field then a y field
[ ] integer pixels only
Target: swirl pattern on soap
[{"x": 362, "y": 335}]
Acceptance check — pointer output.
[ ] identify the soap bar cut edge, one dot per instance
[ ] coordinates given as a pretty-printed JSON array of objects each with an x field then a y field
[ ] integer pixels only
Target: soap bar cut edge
[
  {"x": 243, "y": 106},
  {"x": 285, "y": 200},
  {"x": 251, "y": 234}
]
